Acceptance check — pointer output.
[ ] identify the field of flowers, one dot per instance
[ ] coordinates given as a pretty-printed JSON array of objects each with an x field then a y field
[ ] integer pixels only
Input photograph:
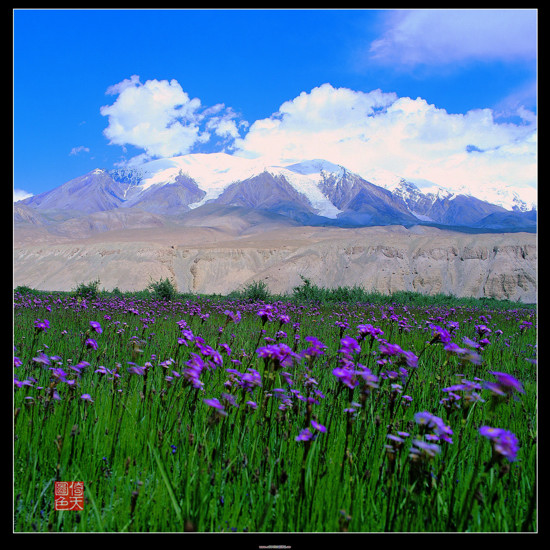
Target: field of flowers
[{"x": 220, "y": 415}]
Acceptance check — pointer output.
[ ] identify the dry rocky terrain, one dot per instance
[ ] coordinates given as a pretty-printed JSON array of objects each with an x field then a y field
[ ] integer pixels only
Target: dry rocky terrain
[{"x": 226, "y": 250}]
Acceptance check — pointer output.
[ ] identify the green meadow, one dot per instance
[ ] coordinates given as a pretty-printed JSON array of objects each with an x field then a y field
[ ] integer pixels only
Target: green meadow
[{"x": 318, "y": 412}]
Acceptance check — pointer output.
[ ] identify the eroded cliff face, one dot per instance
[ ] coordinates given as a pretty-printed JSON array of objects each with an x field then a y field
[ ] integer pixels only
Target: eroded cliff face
[{"x": 383, "y": 259}]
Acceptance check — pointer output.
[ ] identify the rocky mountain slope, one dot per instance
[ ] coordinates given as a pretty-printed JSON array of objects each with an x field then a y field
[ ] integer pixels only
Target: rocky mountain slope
[
  {"x": 224, "y": 248},
  {"x": 213, "y": 223},
  {"x": 313, "y": 192}
]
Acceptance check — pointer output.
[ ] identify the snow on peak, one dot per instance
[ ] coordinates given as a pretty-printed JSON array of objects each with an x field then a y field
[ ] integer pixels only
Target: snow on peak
[
  {"x": 213, "y": 172},
  {"x": 520, "y": 199},
  {"x": 308, "y": 185}
]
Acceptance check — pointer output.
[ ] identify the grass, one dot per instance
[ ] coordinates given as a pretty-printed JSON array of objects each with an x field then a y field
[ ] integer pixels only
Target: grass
[{"x": 155, "y": 457}]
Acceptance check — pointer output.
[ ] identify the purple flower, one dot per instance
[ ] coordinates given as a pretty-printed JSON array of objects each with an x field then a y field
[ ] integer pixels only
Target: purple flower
[
  {"x": 58, "y": 373},
  {"x": 525, "y": 325},
  {"x": 235, "y": 317},
  {"x": 505, "y": 443},
  {"x": 349, "y": 346},
  {"x": 230, "y": 399},
  {"x": 482, "y": 330},
  {"x": 451, "y": 347},
  {"x": 225, "y": 348},
  {"x": 465, "y": 354},
  {"x": 305, "y": 435},
  {"x": 346, "y": 376},
  {"x": 401, "y": 357},
  {"x": 87, "y": 397},
  {"x": 506, "y": 383},
  {"x": 41, "y": 326},
  {"x": 191, "y": 374},
  {"x": 408, "y": 358},
  {"x": 96, "y": 327},
  {"x": 214, "y": 358},
  {"x": 283, "y": 319},
  {"x": 42, "y": 359},
  {"x": 21, "y": 384},
  {"x": 436, "y": 424},
  {"x": 79, "y": 367},
  {"x": 267, "y": 313},
  {"x": 318, "y": 426},
  {"x": 103, "y": 370},
  {"x": 470, "y": 343},
  {"x": 387, "y": 349},
  {"x": 281, "y": 354},
  {"x": 373, "y": 332},
  {"x": 287, "y": 377},
  {"x": 453, "y": 325},
  {"x": 315, "y": 349},
  {"x": 251, "y": 379},
  {"x": 90, "y": 343},
  {"x": 370, "y": 379},
  {"x": 406, "y": 400},
  {"x": 135, "y": 369},
  {"x": 216, "y": 405},
  {"x": 396, "y": 439},
  {"x": 439, "y": 335}
]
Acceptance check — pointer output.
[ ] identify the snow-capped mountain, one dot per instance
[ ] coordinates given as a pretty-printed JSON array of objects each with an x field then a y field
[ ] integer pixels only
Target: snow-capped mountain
[{"x": 310, "y": 192}]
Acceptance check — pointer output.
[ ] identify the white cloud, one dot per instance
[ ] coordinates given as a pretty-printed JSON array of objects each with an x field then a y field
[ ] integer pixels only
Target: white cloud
[
  {"x": 79, "y": 149},
  {"x": 20, "y": 194},
  {"x": 368, "y": 133},
  {"x": 375, "y": 132},
  {"x": 157, "y": 116},
  {"x": 224, "y": 125},
  {"x": 435, "y": 37},
  {"x": 160, "y": 118},
  {"x": 327, "y": 122}
]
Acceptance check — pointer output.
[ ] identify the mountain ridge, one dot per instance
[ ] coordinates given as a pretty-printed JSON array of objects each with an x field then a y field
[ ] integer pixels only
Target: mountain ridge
[{"x": 312, "y": 192}]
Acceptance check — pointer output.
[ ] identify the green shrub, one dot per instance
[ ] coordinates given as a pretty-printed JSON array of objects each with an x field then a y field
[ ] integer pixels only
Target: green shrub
[
  {"x": 87, "y": 290},
  {"x": 307, "y": 291},
  {"x": 255, "y": 291},
  {"x": 163, "y": 289},
  {"x": 23, "y": 289}
]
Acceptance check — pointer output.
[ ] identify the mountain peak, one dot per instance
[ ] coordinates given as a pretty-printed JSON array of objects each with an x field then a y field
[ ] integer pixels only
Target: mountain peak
[{"x": 314, "y": 191}]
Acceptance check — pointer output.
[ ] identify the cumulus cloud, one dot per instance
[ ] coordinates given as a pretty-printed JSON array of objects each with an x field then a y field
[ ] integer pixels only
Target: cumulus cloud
[
  {"x": 157, "y": 116},
  {"x": 435, "y": 37},
  {"x": 222, "y": 121},
  {"x": 379, "y": 132},
  {"x": 327, "y": 121},
  {"x": 370, "y": 133}
]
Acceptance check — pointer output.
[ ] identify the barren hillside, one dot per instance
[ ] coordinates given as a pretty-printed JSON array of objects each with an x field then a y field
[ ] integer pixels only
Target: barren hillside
[{"x": 224, "y": 252}]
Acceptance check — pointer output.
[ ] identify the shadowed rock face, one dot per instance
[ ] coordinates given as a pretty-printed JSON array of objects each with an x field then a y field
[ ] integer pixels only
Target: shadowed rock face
[
  {"x": 269, "y": 193},
  {"x": 169, "y": 199},
  {"x": 220, "y": 248}
]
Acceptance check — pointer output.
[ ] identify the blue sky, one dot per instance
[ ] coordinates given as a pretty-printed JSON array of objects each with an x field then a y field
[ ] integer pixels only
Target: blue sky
[{"x": 436, "y": 96}]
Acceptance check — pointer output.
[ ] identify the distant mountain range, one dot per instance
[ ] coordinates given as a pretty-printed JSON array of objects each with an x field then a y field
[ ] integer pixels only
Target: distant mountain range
[{"x": 313, "y": 192}]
